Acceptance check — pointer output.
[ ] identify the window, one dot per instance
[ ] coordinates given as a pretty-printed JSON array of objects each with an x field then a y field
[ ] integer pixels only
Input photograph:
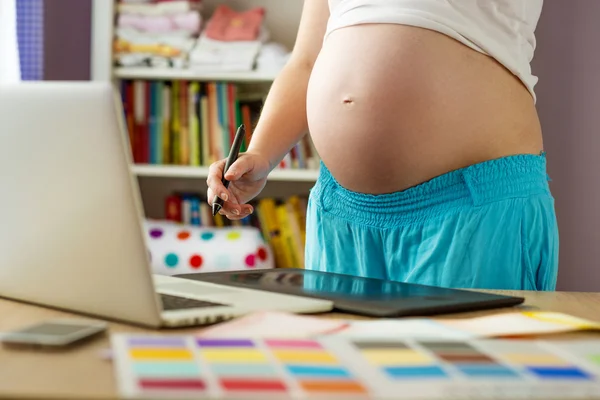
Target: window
[{"x": 9, "y": 67}]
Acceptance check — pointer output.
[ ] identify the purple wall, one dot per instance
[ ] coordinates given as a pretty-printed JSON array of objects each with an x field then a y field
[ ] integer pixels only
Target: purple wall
[
  {"x": 67, "y": 38},
  {"x": 567, "y": 62}
]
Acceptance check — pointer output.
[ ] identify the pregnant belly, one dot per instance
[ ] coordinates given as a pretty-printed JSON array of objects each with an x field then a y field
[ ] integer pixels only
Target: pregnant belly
[{"x": 391, "y": 106}]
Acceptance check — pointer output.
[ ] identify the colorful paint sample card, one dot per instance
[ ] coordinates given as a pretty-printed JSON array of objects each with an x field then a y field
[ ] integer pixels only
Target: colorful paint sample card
[
  {"x": 193, "y": 367},
  {"x": 346, "y": 368}
]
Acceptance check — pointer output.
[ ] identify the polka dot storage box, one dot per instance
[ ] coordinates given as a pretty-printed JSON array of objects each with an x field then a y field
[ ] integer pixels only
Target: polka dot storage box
[{"x": 180, "y": 249}]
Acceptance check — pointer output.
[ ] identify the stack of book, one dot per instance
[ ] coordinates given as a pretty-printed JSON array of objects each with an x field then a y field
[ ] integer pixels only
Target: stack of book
[
  {"x": 281, "y": 221},
  {"x": 193, "y": 123}
]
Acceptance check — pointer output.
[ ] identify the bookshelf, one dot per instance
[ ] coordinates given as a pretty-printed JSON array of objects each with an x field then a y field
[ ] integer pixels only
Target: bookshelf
[
  {"x": 193, "y": 75},
  {"x": 176, "y": 171},
  {"x": 157, "y": 181}
]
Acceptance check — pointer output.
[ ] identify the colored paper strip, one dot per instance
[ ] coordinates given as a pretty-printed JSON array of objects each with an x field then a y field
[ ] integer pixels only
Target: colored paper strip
[
  {"x": 487, "y": 371},
  {"x": 595, "y": 358},
  {"x": 559, "y": 373},
  {"x": 415, "y": 372},
  {"x": 380, "y": 345},
  {"x": 466, "y": 358},
  {"x": 539, "y": 359},
  {"x": 234, "y": 355},
  {"x": 225, "y": 343},
  {"x": 166, "y": 369},
  {"x": 244, "y": 370},
  {"x": 156, "y": 341},
  {"x": 330, "y": 386},
  {"x": 440, "y": 346},
  {"x": 172, "y": 384},
  {"x": 395, "y": 357},
  {"x": 160, "y": 354},
  {"x": 304, "y": 357},
  {"x": 318, "y": 371},
  {"x": 456, "y": 351},
  {"x": 253, "y": 385},
  {"x": 311, "y": 344}
]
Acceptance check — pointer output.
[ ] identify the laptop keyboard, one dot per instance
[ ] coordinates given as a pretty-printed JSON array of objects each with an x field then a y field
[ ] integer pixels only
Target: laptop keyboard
[{"x": 181, "y": 303}]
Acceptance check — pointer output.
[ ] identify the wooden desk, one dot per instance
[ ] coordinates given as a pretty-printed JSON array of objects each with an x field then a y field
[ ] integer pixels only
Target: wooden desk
[{"x": 81, "y": 373}]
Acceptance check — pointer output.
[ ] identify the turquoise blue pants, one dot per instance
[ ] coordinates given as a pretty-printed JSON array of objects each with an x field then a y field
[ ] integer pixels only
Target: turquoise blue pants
[{"x": 488, "y": 226}]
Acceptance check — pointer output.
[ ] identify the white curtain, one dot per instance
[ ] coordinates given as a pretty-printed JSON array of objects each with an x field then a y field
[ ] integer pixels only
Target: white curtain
[{"x": 9, "y": 53}]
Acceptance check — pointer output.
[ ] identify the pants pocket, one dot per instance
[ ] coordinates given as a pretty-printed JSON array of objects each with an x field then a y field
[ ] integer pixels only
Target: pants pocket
[
  {"x": 527, "y": 261},
  {"x": 539, "y": 243}
]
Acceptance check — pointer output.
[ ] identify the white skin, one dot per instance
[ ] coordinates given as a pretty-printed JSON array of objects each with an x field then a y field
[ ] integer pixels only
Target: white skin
[{"x": 387, "y": 106}]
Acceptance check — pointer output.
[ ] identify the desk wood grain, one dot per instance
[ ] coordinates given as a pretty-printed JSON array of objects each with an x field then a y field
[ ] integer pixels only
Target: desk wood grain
[{"x": 82, "y": 373}]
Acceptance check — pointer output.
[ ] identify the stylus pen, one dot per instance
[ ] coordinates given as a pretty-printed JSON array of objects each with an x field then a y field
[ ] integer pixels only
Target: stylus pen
[{"x": 234, "y": 152}]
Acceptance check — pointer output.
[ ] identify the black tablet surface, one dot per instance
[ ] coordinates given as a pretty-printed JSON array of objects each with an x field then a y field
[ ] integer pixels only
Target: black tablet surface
[{"x": 365, "y": 296}]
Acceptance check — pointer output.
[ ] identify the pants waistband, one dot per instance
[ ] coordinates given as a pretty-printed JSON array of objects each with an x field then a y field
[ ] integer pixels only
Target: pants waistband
[{"x": 482, "y": 183}]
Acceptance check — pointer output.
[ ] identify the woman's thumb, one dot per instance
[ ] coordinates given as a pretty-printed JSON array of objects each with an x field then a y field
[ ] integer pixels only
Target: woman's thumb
[{"x": 238, "y": 168}]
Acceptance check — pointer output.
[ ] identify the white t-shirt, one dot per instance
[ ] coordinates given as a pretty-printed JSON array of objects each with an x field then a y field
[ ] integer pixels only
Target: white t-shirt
[
  {"x": 9, "y": 54},
  {"x": 502, "y": 29}
]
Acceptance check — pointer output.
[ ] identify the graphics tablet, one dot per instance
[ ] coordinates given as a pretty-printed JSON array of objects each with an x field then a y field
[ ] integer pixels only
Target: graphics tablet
[{"x": 365, "y": 296}]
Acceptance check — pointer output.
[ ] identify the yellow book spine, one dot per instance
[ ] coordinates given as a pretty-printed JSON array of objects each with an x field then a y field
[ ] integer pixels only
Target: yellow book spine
[
  {"x": 297, "y": 244},
  {"x": 264, "y": 225},
  {"x": 193, "y": 125},
  {"x": 184, "y": 139},
  {"x": 300, "y": 216},
  {"x": 219, "y": 222},
  {"x": 205, "y": 141},
  {"x": 286, "y": 236},
  {"x": 175, "y": 124},
  {"x": 268, "y": 212}
]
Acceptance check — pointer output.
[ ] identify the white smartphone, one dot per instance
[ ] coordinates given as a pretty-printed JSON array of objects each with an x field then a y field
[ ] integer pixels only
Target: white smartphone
[{"x": 55, "y": 333}]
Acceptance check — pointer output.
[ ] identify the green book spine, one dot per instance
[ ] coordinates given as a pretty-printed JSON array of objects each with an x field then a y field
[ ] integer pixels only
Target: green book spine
[
  {"x": 158, "y": 107},
  {"x": 175, "y": 127}
]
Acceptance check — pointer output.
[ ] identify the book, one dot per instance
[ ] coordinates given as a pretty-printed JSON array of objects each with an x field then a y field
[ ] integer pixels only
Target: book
[
  {"x": 184, "y": 130},
  {"x": 175, "y": 123},
  {"x": 247, "y": 123},
  {"x": 139, "y": 118},
  {"x": 266, "y": 208},
  {"x": 214, "y": 127},
  {"x": 193, "y": 123},
  {"x": 173, "y": 209},
  {"x": 223, "y": 110},
  {"x": 128, "y": 104},
  {"x": 205, "y": 123},
  {"x": 195, "y": 218},
  {"x": 166, "y": 129},
  {"x": 152, "y": 123}
]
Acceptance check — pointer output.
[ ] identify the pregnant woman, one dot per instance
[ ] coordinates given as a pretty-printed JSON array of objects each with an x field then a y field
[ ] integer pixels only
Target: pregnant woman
[{"x": 423, "y": 113}]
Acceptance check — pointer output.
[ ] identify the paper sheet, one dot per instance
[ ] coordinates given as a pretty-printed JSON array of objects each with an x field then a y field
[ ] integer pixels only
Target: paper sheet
[
  {"x": 275, "y": 324},
  {"x": 520, "y": 324},
  {"x": 400, "y": 329},
  {"x": 271, "y": 324}
]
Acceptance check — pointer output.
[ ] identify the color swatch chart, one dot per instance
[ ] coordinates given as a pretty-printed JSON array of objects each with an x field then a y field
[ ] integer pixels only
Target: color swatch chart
[{"x": 324, "y": 368}]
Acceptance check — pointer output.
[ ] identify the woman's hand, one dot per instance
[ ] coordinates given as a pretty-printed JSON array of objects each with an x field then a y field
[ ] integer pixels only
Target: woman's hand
[{"x": 247, "y": 177}]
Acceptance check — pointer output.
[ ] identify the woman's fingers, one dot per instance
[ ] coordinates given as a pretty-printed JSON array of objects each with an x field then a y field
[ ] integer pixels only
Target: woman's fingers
[
  {"x": 235, "y": 211},
  {"x": 231, "y": 208},
  {"x": 215, "y": 185},
  {"x": 234, "y": 216}
]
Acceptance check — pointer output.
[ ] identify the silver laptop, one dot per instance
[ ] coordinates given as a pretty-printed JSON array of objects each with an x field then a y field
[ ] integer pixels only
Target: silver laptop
[{"x": 71, "y": 232}]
